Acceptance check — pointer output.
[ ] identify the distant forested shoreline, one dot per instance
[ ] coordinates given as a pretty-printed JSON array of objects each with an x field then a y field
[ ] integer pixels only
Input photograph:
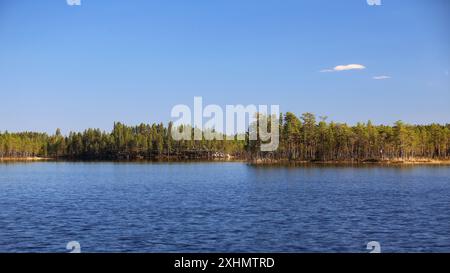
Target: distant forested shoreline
[{"x": 302, "y": 139}]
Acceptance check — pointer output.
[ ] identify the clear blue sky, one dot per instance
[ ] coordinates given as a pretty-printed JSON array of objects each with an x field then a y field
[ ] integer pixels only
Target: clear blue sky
[{"x": 131, "y": 61}]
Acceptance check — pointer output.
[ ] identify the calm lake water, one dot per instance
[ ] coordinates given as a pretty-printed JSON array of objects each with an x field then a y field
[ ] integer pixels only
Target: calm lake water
[{"x": 222, "y": 207}]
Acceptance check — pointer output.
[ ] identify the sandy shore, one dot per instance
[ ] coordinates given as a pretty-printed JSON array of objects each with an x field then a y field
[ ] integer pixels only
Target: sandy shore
[
  {"x": 416, "y": 161},
  {"x": 31, "y": 158}
]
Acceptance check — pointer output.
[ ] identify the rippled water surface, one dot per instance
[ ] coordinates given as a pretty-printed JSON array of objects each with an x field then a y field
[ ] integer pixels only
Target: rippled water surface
[{"x": 222, "y": 207}]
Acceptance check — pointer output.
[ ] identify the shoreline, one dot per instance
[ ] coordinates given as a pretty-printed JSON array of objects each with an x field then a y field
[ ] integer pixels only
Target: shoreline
[
  {"x": 421, "y": 161},
  {"x": 25, "y": 159},
  {"x": 259, "y": 162}
]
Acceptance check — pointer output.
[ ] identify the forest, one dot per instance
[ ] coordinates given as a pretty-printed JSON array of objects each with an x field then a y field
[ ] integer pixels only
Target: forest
[{"x": 302, "y": 138}]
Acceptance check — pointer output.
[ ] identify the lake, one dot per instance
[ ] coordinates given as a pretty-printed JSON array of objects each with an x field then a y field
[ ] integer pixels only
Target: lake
[{"x": 222, "y": 207}]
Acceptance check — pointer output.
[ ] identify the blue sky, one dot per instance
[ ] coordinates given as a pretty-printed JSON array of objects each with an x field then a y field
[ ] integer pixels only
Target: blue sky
[{"x": 75, "y": 67}]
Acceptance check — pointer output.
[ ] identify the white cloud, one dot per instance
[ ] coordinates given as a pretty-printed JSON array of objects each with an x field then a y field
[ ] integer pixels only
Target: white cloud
[
  {"x": 344, "y": 68},
  {"x": 349, "y": 67},
  {"x": 326, "y": 70},
  {"x": 381, "y": 77}
]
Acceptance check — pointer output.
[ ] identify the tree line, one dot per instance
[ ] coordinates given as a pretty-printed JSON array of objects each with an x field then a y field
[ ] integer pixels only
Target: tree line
[
  {"x": 145, "y": 141},
  {"x": 306, "y": 139},
  {"x": 302, "y": 138}
]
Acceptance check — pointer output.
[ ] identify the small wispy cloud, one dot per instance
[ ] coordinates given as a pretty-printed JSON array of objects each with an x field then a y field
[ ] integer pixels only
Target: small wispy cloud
[
  {"x": 349, "y": 67},
  {"x": 383, "y": 77},
  {"x": 344, "y": 68}
]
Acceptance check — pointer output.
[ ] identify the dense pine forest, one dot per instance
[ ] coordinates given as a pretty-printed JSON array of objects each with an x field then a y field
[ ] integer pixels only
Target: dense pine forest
[{"x": 302, "y": 138}]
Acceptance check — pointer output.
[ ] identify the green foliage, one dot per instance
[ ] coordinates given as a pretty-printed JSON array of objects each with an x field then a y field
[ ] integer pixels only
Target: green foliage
[{"x": 300, "y": 139}]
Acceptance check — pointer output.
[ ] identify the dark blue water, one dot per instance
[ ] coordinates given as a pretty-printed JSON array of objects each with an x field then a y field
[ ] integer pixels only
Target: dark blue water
[{"x": 222, "y": 207}]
